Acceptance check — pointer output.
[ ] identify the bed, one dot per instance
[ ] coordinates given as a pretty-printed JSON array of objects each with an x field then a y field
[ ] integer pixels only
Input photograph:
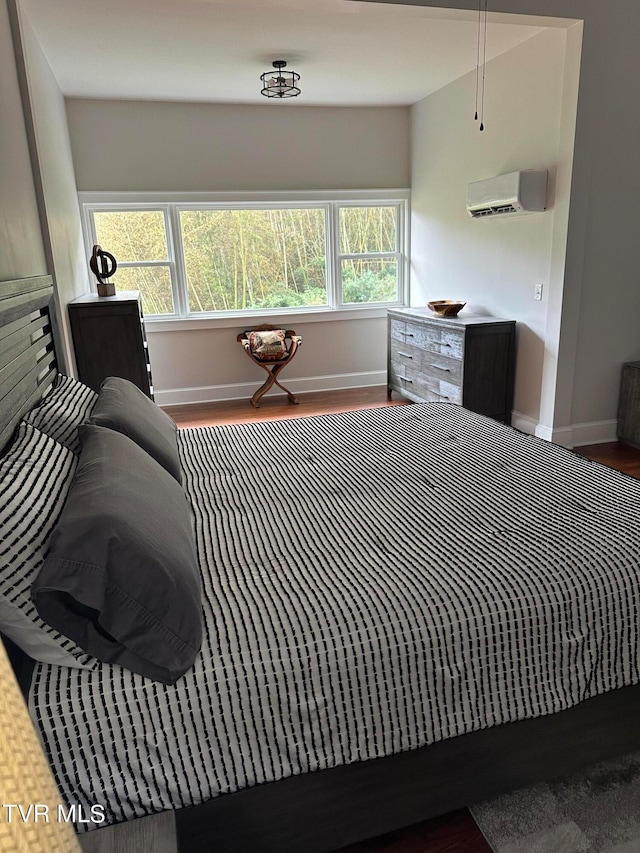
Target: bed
[{"x": 404, "y": 613}]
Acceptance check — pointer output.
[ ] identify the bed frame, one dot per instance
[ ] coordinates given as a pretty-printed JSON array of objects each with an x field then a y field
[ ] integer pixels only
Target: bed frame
[
  {"x": 28, "y": 343},
  {"x": 326, "y": 810}
]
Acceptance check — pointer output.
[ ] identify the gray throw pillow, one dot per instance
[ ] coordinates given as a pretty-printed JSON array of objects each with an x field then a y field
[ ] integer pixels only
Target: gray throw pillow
[
  {"x": 122, "y": 578},
  {"x": 123, "y": 407}
]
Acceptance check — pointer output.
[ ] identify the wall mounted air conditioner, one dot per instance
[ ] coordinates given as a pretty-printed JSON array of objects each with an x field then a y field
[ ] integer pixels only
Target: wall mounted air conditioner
[{"x": 508, "y": 195}]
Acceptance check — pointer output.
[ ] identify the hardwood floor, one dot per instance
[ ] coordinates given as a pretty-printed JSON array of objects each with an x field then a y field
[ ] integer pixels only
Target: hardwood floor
[
  {"x": 274, "y": 407},
  {"x": 456, "y": 832},
  {"x": 615, "y": 455}
]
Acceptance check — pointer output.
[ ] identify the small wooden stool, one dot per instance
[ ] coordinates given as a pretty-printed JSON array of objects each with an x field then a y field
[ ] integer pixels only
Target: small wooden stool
[{"x": 272, "y": 353}]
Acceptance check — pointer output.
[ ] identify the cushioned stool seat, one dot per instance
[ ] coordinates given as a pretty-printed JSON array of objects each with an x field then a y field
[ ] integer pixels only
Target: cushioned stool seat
[{"x": 272, "y": 349}]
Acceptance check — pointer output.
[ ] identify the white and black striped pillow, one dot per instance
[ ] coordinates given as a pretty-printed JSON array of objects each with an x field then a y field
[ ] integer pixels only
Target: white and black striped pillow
[
  {"x": 62, "y": 411},
  {"x": 35, "y": 477}
]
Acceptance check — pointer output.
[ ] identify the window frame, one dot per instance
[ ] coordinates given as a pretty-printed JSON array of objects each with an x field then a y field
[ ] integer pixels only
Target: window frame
[
  {"x": 396, "y": 255},
  {"x": 171, "y": 205},
  {"x": 169, "y": 262}
]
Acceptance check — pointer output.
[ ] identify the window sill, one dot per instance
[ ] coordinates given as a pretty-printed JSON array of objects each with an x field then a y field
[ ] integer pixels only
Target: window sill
[{"x": 246, "y": 321}]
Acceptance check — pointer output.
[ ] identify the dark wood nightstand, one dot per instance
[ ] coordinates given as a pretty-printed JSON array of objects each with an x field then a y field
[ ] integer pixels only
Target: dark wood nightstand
[
  {"x": 629, "y": 405},
  {"x": 109, "y": 339}
]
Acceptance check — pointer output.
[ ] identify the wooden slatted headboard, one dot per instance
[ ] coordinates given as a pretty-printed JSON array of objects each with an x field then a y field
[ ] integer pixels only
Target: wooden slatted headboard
[
  {"x": 28, "y": 341},
  {"x": 28, "y": 337}
]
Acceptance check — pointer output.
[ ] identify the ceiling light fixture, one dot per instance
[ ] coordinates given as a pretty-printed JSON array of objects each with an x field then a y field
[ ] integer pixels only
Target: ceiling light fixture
[{"x": 280, "y": 83}]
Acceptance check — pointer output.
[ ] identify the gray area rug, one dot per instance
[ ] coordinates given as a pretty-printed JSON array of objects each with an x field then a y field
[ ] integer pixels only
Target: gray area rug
[{"x": 597, "y": 810}]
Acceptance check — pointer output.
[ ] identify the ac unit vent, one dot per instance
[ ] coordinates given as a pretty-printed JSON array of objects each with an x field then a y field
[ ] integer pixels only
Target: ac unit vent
[
  {"x": 492, "y": 211},
  {"x": 512, "y": 194}
]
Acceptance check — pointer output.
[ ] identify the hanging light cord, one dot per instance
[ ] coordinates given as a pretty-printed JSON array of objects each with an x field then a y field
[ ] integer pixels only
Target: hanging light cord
[
  {"x": 481, "y": 63},
  {"x": 478, "y": 57},
  {"x": 484, "y": 65}
]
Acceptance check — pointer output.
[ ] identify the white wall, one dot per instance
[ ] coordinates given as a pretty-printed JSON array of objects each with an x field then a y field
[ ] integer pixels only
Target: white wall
[
  {"x": 494, "y": 264},
  {"x": 604, "y": 233},
  {"x": 600, "y": 323},
  {"x": 55, "y": 181},
  {"x": 213, "y": 366},
  {"x": 136, "y": 145},
  {"x": 123, "y": 145},
  {"x": 21, "y": 249}
]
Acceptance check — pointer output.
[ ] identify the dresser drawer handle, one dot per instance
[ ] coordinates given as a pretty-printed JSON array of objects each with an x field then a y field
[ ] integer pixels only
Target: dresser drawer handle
[
  {"x": 404, "y": 354},
  {"x": 408, "y": 334},
  {"x": 445, "y": 369},
  {"x": 410, "y": 381}
]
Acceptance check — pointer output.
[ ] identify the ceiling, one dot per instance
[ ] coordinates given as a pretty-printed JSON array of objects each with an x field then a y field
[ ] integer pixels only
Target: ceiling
[{"x": 347, "y": 53}]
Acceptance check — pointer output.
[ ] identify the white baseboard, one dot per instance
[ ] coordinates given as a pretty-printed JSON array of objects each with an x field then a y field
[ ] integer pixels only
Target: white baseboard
[
  {"x": 577, "y": 435},
  {"x": 244, "y": 390},
  {"x": 532, "y": 427},
  {"x": 523, "y": 423},
  {"x": 562, "y": 436},
  {"x": 596, "y": 432}
]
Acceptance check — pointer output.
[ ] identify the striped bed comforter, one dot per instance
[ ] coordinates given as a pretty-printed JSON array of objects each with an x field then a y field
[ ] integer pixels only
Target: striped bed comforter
[{"x": 373, "y": 582}]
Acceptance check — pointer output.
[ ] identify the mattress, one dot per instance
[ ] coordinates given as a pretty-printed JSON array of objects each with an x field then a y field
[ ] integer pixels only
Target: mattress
[{"x": 373, "y": 582}]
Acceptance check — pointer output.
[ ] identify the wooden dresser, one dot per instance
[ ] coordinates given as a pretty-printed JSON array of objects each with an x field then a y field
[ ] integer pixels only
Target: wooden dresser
[
  {"x": 468, "y": 360},
  {"x": 629, "y": 407},
  {"x": 109, "y": 339}
]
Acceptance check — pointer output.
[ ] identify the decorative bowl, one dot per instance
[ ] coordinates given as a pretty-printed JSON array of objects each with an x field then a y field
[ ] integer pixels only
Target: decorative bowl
[{"x": 446, "y": 307}]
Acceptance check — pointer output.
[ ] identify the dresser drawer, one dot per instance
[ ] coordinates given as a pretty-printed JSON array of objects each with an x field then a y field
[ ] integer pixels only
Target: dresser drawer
[
  {"x": 450, "y": 393},
  {"x": 452, "y": 343},
  {"x": 433, "y": 338},
  {"x": 442, "y": 367},
  {"x": 405, "y": 376},
  {"x": 427, "y": 388},
  {"x": 397, "y": 330},
  {"x": 404, "y": 353},
  {"x": 422, "y": 336},
  {"x": 411, "y": 334}
]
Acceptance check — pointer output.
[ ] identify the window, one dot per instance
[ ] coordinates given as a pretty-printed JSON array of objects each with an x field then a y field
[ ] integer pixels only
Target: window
[
  {"x": 368, "y": 254},
  {"x": 252, "y": 259},
  {"x": 139, "y": 242},
  {"x": 253, "y": 256}
]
